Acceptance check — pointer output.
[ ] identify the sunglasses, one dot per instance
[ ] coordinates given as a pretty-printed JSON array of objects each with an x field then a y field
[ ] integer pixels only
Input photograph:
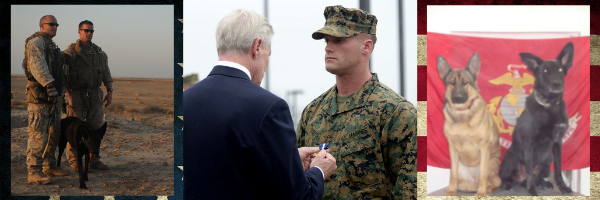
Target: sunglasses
[
  {"x": 87, "y": 30},
  {"x": 52, "y": 24}
]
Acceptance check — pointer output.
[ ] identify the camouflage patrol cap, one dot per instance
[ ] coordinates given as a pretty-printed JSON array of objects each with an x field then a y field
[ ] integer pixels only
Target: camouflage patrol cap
[{"x": 346, "y": 22}]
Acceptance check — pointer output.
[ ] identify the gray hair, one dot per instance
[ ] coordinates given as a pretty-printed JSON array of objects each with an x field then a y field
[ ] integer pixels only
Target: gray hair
[{"x": 237, "y": 31}]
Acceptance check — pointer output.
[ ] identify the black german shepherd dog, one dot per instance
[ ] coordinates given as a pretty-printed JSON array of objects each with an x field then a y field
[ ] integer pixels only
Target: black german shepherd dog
[
  {"x": 537, "y": 137},
  {"x": 84, "y": 139}
]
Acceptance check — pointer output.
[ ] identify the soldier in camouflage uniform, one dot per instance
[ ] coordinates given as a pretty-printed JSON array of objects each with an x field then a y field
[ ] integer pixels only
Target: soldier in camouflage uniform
[
  {"x": 43, "y": 65},
  {"x": 89, "y": 69},
  {"x": 372, "y": 131}
]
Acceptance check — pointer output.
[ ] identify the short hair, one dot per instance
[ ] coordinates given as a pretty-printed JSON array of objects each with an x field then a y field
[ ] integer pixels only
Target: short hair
[
  {"x": 85, "y": 22},
  {"x": 237, "y": 31},
  {"x": 45, "y": 16},
  {"x": 363, "y": 36}
]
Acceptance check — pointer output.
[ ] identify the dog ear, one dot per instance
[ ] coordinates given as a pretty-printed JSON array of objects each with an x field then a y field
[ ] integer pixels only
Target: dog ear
[
  {"x": 532, "y": 61},
  {"x": 473, "y": 65},
  {"x": 443, "y": 67},
  {"x": 102, "y": 130},
  {"x": 565, "y": 58}
]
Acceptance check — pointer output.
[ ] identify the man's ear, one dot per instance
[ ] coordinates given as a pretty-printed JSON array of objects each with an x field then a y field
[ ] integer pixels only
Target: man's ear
[
  {"x": 368, "y": 46},
  {"x": 256, "y": 47}
]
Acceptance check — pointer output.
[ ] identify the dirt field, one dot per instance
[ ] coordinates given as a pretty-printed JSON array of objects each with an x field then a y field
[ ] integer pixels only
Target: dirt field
[{"x": 138, "y": 145}]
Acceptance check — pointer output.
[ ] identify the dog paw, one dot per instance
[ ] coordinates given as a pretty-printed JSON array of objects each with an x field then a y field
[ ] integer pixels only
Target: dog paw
[
  {"x": 545, "y": 185},
  {"x": 506, "y": 187},
  {"x": 451, "y": 193},
  {"x": 82, "y": 186},
  {"x": 565, "y": 190}
]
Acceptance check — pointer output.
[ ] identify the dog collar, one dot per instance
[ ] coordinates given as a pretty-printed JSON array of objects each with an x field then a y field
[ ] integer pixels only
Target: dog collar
[{"x": 541, "y": 100}]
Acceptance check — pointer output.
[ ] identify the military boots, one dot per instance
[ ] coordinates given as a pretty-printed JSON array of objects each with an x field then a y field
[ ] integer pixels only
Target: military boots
[
  {"x": 98, "y": 165},
  {"x": 38, "y": 177},
  {"x": 55, "y": 171}
]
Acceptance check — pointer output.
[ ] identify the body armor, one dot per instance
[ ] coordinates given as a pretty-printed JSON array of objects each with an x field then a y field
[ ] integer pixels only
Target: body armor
[
  {"x": 85, "y": 72},
  {"x": 36, "y": 93}
]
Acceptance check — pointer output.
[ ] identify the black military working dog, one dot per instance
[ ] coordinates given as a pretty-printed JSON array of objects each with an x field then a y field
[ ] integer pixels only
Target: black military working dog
[
  {"x": 537, "y": 137},
  {"x": 84, "y": 139}
]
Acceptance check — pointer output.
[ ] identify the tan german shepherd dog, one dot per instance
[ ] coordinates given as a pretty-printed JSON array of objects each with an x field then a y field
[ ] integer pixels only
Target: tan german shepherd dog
[{"x": 470, "y": 130}]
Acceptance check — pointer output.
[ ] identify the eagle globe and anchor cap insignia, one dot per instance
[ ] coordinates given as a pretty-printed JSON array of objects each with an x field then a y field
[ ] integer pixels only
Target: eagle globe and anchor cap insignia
[{"x": 506, "y": 109}]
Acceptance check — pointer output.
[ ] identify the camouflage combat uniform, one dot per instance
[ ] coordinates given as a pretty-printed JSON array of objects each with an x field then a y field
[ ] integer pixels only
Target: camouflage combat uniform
[
  {"x": 43, "y": 64},
  {"x": 373, "y": 137},
  {"x": 89, "y": 69},
  {"x": 372, "y": 133}
]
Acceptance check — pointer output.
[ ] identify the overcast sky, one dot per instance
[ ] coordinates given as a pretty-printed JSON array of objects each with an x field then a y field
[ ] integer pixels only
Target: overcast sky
[
  {"x": 297, "y": 61},
  {"x": 138, "y": 39}
]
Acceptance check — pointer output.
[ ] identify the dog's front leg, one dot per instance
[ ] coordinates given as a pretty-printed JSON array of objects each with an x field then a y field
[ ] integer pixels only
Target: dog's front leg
[
  {"x": 483, "y": 170},
  {"x": 451, "y": 191},
  {"x": 529, "y": 167},
  {"x": 558, "y": 131},
  {"x": 79, "y": 167}
]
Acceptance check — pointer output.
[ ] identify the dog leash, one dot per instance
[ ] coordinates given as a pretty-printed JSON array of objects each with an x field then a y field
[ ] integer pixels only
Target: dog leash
[{"x": 48, "y": 129}]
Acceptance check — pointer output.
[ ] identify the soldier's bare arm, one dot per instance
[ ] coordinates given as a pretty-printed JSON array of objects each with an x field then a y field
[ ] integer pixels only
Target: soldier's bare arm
[
  {"x": 400, "y": 152},
  {"x": 108, "y": 97},
  {"x": 37, "y": 61}
]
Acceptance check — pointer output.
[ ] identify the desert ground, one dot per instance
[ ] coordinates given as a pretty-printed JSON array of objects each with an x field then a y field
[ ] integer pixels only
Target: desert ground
[{"x": 138, "y": 145}]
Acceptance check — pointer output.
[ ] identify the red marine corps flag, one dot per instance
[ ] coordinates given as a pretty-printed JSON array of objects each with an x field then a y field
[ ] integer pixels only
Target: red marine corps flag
[{"x": 504, "y": 82}]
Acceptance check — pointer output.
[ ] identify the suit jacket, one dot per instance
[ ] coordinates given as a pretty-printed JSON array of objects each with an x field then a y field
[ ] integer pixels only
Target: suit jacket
[{"x": 239, "y": 143}]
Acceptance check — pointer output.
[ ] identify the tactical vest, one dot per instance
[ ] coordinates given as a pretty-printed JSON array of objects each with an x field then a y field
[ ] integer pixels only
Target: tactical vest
[
  {"x": 36, "y": 93},
  {"x": 86, "y": 71}
]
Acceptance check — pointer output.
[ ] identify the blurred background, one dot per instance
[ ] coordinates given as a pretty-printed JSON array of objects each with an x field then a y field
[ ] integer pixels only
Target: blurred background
[{"x": 296, "y": 70}]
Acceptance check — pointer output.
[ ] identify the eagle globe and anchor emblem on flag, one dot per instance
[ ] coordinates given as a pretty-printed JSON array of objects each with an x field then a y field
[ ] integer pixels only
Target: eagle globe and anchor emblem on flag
[{"x": 506, "y": 109}]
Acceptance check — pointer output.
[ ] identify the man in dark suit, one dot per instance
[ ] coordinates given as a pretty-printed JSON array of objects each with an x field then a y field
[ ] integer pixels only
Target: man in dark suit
[{"x": 239, "y": 139}]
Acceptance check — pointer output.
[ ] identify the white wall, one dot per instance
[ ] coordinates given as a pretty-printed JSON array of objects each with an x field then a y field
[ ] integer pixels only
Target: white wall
[
  {"x": 452, "y": 19},
  {"x": 409, "y": 24},
  {"x": 445, "y": 19}
]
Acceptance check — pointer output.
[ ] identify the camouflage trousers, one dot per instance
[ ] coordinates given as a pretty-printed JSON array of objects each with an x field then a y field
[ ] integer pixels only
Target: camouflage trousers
[
  {"x": 44, "y": 135},
  {"x": 94, "y": 113}
]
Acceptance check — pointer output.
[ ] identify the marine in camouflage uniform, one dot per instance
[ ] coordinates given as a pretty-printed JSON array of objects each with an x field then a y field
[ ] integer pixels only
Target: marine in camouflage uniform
[
  {"x": 43, "y": 65},
  {"x": 372, "y": 132},
  {"x": 89, "y": 69}
]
